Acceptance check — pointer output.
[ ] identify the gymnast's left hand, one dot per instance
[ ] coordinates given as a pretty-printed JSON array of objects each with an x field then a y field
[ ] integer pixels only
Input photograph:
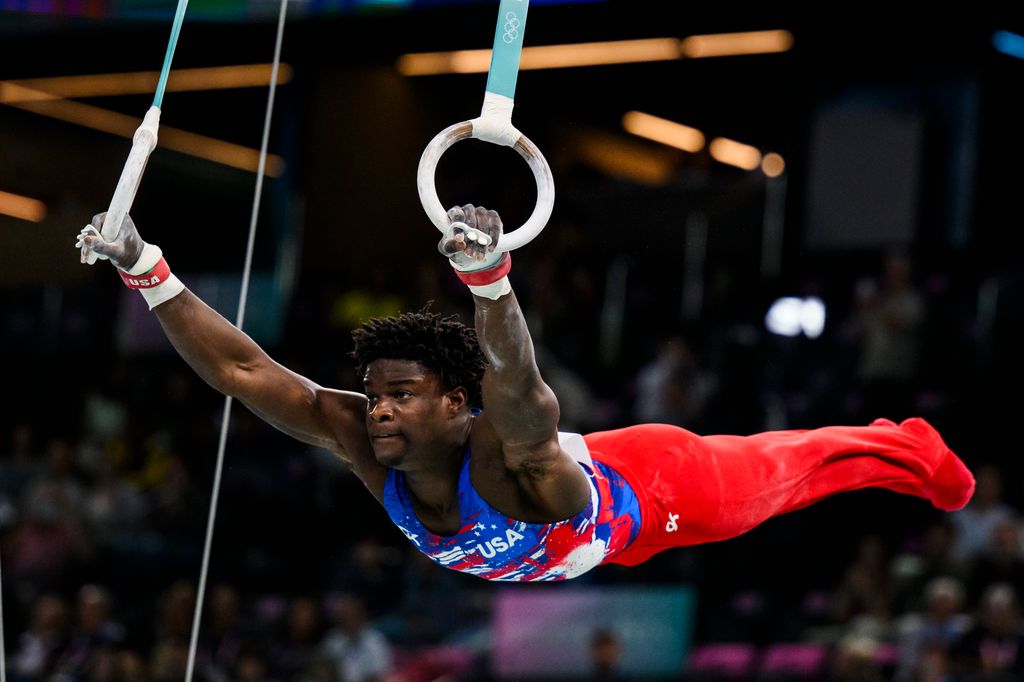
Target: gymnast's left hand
[{"x": 472, "y": 237}]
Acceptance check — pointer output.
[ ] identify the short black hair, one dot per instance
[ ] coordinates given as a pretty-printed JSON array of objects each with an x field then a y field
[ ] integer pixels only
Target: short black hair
[{"x": 441, "y": 344}]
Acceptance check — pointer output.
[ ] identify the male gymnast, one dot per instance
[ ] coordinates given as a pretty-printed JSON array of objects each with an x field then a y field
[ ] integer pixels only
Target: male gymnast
[{"x": 498, "y": 492}]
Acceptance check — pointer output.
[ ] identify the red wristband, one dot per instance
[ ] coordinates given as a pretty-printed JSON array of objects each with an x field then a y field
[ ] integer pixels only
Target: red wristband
[
  {"x": 491, "y": 275},
  {"x": 160, "y": 273}
]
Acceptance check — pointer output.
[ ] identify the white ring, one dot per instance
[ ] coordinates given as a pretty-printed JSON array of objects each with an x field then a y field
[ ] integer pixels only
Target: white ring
[{"x": 528, "y": 150}]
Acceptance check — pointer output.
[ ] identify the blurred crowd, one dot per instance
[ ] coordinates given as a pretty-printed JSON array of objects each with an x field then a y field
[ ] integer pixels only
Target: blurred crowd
[{"x": 107, "y": 467}]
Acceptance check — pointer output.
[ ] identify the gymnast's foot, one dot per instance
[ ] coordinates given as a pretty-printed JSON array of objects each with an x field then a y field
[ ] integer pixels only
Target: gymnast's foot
[{"x": 951, "y": 484}]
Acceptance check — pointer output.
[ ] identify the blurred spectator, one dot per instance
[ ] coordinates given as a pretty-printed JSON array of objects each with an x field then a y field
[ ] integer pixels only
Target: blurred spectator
[
  {"x": 170, "y": 660},
  {"x": 178, "y": 509},
  {"x": 1001, "y": 562},
  {"x": 671, "y": 389},
  {"x": 48, "y": 542},
  {"x": 130, "y": 667},
  {"x": 433, "y": 604},
  {"x": 95, "y": 631},
  {"x": 292, "y": 654},
  {"x": 57, "y": 482},
  {"x": 934, "y": 665},
  {"x": 359, "y": 653},
  {"x": 371, "y": 571},
  {"x": 855, "y": 661},
  {"x": 34, "y": 657},
  {"x": 993, "y": 650},
  {"x": 20, "y": 465},
  {"x": 865, "y": 591},
  {"x": 224, "y": 633},
  {"x": 889, "y": 316},
  {"x": 940, "y": 627},
  {"x": 114, "y": 509},
  {"x": 605, "y": 656},
  {"x": 320, "y": 670},
  {"x": 104, "y": 412},
  {"x": 914, "y": 570},
  {"x": 976, "y": 522},
  {"x": 177, "y": 611},
  {"x": 252, "y": 667}
]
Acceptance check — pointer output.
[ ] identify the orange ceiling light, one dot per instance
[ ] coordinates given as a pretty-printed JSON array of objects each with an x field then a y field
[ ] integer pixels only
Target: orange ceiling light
[
  {"x": 773, "y": 165},
  {"x": 23, "y": 208},
  {"x": 664, "y": 131},
  {"x": 141, "y": 82},
  {"x": 734, "y": 153},
  {"x": 736, "y": 44},
  {"x": 601, "y": 53},
  {"x": 201, "y": 146}
]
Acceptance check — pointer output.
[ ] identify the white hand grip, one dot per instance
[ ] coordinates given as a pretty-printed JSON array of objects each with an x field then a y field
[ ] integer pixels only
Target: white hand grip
[
  {"x": 528, "y": 150},
  {"x": 142, "y": 146}
]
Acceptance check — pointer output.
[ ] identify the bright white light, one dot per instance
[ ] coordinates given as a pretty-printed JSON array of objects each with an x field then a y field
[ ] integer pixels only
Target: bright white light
[
  {"x": 812, "y": 317},
  {"x": 791, "y": 316},
  {"x": 783, "y": 317}
]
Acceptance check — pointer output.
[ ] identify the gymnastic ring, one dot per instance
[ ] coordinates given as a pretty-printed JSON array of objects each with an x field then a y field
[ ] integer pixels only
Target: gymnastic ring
[{"x": 525, "y": 233}]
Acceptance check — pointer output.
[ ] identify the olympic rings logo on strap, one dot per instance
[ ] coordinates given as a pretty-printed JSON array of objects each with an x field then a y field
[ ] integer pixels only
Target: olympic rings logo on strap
[{"x": 511, "y": 27}]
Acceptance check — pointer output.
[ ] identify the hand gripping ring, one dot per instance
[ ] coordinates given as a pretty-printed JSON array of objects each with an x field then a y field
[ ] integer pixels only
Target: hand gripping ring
[{"x": 528, "y": 150}]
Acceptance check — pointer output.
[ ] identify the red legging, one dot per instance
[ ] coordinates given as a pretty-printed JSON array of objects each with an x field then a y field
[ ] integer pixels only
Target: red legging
[{"x": 695, "y": 489}]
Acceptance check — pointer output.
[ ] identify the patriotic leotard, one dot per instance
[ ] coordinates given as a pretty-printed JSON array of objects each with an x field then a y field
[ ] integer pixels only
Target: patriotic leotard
[{"x": 495, "y": 547}]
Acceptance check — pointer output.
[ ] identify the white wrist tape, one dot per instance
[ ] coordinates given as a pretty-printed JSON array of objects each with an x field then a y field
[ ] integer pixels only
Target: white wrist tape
[
  {"x": 171, "y": 287},
  {"x": 494, "y": 290},
  {"x": 166, "y": 290},
  {"x": 150, "y": 256}
]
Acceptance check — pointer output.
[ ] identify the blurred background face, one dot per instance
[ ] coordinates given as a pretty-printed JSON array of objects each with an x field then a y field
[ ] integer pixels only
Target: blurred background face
[
  {"x": 304, "y": 620},
  {"x": 606, "y": 650},
  {"x": 224, "y": 603},
  {"x": 93, "y": 609},
  {"x": 944, "y": 598},
  {"x": 989, "y": 486},
  {"x": 351, "y": 615},
  {"x": 50, "y": 615}
]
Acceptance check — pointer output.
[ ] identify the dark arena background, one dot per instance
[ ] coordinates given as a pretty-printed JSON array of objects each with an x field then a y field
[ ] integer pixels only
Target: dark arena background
[{"x": 856, "y": 255}]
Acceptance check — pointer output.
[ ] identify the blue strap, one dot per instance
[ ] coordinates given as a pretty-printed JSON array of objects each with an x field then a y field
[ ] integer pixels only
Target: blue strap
[
  {"x": 508, "y": 44},
  {"x": 179, "y": 18}
]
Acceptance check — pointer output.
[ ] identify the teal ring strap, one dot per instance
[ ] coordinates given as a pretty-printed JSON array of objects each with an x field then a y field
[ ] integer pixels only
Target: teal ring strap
[
  {"x": 179, "y": 18},
  {"x": 508, "y": 44}
]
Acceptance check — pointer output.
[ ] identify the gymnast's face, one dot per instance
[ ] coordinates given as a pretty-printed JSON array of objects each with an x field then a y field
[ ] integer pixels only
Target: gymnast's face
[{"x": 411, "y": 419}]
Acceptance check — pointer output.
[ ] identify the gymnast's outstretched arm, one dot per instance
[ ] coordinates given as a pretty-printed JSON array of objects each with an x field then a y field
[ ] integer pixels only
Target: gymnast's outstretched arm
[
  {"x": 521, "y": 407},
  {"x": 223, "y": 355}
]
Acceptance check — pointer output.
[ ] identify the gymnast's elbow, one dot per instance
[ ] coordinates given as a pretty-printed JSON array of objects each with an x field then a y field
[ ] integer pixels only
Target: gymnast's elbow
[{"x": 536, "y": 461}]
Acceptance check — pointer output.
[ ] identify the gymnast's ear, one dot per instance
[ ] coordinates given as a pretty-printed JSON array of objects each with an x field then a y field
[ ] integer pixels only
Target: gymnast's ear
[{"x": 457, "y": 398}]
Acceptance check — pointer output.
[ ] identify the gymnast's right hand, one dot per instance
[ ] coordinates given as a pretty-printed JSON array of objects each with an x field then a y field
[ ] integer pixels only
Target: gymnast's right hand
[{"x": 124, "y": 251}]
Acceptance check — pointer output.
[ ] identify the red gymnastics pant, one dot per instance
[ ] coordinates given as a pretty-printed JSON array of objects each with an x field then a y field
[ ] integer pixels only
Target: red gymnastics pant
[{"x": 694, "y": 489}]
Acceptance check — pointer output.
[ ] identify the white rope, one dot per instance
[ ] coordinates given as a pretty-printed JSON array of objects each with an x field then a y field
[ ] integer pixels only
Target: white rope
[
  {"x": 3, "y": 652},
  {"x": 246, "y": 272}
]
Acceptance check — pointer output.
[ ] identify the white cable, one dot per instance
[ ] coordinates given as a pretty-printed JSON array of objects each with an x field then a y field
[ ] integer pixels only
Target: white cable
[
  {"x": 3, "y": 652},
  {"x": 246, "y": 272}
]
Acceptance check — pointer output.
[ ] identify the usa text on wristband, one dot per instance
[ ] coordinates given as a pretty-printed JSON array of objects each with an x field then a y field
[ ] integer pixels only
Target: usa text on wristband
[{"x": 160, "y": 273}]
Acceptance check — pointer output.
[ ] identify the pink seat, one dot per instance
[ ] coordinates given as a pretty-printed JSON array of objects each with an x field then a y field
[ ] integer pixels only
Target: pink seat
[
  {"x": 724, "y": 660},
  {"x": 794, "y": 660}
]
